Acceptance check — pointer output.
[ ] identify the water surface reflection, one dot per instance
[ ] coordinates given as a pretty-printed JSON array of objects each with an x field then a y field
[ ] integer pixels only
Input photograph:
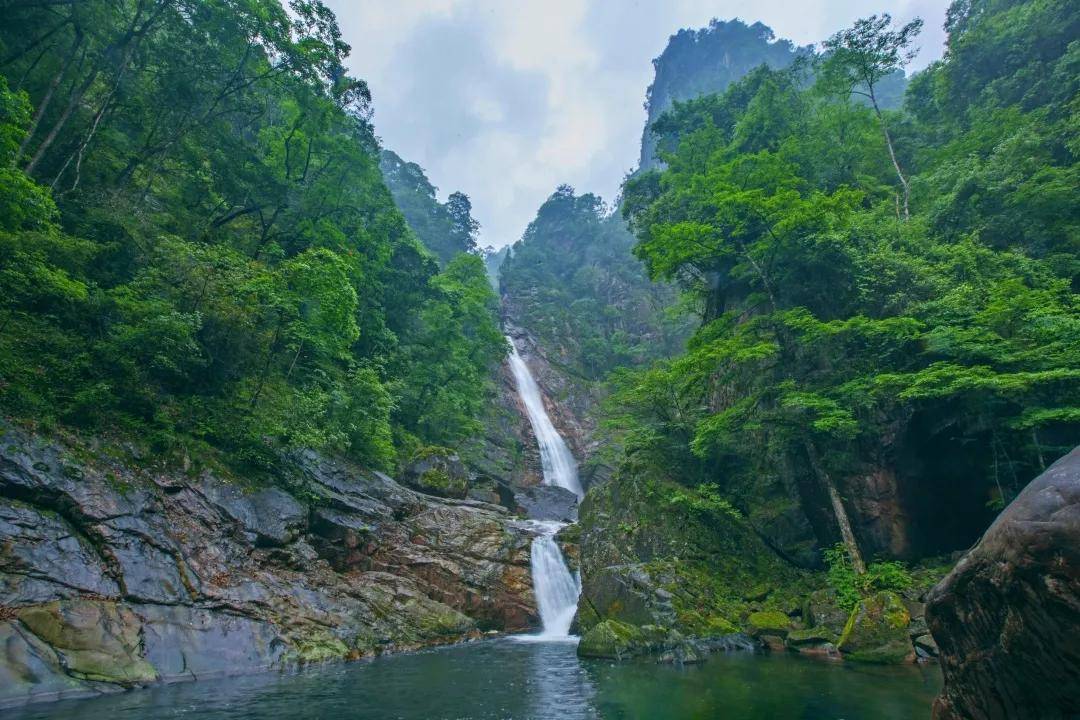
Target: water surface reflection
[{"x": 528, "y": 681}]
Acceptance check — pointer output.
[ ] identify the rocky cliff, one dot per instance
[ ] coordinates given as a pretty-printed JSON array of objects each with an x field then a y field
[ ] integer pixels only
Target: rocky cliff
[
  {"x": 705, "y": 61},
  {"x": 113, "y": 576}
]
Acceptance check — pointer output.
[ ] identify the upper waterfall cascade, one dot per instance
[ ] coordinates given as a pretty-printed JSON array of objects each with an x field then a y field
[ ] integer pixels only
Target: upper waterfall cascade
[{"x": 558, "y": 462}]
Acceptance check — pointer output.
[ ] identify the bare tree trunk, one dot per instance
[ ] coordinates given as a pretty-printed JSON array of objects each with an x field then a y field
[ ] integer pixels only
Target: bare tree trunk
[
  {"x": 47, "y": 99},
  {"x": 1038, "y": 448},
  {"x": 839, "y": 512},
  {"x": 78, "y": 154},
  {"x": 73, "y": 102},
  {"x": 892, "y": 155},
  {"x": 128, "y": 42}
]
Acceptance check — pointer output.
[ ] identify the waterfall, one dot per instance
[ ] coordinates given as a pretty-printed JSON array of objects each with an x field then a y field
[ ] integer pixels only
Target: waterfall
[
  {"x": 556, "y": 589},
  {"x": 558, "y": 463}
]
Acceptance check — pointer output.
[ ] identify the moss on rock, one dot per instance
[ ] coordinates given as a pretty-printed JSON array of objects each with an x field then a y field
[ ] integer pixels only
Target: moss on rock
[
  {"x": 618, "y": 640},
  {"x": 609, "y": 639},
  {"x": 98, "y": 640},
  {"x": 693, "y": 572},
  {"x": 437, "y": 471},
  {"x": 769, "y": 622},
  {"x": 877, "y": 631},
  {"x": 319, "y": 647}
]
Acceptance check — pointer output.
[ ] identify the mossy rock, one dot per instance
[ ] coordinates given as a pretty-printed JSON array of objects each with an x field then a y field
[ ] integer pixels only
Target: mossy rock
[
  {"x": 706, "y": 569},
  {"x": 757, "y": 593},
  {"x": 768, "y": 622},
  {"x": 877, "y": 631},
  {"x": 616, "y": 640},
  {"x": 444, "y": 621},
  {"x": 609, "y": 639},
  {"x": 822, "y": 609},
  {"x": 440, "y": 482},
  {"x": 700, "y": 625},
  {"x": 437, "y": 471},
  {"x": 810, "y": 636},
  {"x": 97, "y": 640},
  {"x": 320, "y": 647}
]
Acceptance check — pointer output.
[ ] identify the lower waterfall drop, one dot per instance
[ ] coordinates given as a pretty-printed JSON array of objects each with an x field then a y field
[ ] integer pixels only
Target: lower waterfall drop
[{"x": 556, "y": 588}]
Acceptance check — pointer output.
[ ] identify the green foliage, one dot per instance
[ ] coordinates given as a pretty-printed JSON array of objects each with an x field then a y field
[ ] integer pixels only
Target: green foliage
[
  {"x": 197, "y": 247},
  {"x": 454, "y": 346},
  {"x": 851, "y": 587},
  {"x": 445, "y": 229},
  {"x": 704, "y": 499},
  {"x": 830, "y": 320}
]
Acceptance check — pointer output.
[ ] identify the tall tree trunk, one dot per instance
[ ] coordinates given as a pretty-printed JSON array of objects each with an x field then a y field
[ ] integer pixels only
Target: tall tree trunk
[
  {"x": 128, "y": 43},
  {"x": 77, "y": 155},
  {"x": 839, "y": 512},
  {"x": 892, "y": 154},
  {"x": 47, "y": 98},
  {"x": 73, "y": 102}
]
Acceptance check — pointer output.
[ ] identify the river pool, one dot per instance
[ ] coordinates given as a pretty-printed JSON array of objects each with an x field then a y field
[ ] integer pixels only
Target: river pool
[{"x": 505, "y": 678}]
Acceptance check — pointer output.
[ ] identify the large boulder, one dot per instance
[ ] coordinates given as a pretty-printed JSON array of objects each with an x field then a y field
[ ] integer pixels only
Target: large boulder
[
  {"x": 614, "y": 640},
  {"x": 1006, "y": 620},
  {"x": 547, "y": 502},
  {"x": 877, "y": 631},
  {"x": 822, "y": 609}
]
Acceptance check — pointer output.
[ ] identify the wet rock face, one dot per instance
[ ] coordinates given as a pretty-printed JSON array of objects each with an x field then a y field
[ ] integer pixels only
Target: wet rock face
[
  {"x": 647, "y": 563},
  {"x": 547, "y": 502},
  {"x": 1006, "y": 620},
  {"x": 111, "y": 577}
]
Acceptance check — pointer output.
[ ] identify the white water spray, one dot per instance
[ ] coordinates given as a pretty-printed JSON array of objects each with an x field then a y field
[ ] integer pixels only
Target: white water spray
[
  {"x": 558, "y": 463},
  {"x": 556, "y": 588}
]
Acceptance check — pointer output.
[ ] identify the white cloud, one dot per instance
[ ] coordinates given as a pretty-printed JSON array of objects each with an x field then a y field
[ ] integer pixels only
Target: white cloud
[{"x": 506, "y": 100}]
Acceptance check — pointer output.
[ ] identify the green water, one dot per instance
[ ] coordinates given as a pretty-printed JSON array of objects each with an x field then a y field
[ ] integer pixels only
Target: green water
[{"x": 529, "y": 681}]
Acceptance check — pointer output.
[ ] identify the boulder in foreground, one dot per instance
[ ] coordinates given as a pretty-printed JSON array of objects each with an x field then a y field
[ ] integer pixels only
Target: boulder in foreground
[{"x": 1007, "y": 619}]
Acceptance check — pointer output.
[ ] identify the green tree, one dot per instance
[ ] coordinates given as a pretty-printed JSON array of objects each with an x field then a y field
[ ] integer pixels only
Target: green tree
[{"x": 860, "y": 57}]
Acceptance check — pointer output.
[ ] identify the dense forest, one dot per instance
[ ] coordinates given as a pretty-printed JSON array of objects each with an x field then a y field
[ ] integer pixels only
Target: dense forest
[
  {"x": 199, "y": 249},
  {"x": 445, "y": 229},
  {"x": 879, "y": 290}
]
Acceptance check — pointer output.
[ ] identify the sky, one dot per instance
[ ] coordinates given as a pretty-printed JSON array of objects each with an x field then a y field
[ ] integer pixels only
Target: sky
[{"x": 505, "y": 100}]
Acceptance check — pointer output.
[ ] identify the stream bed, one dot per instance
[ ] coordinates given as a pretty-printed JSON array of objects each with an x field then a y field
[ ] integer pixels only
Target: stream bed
[{"x": 505, "y": 678}]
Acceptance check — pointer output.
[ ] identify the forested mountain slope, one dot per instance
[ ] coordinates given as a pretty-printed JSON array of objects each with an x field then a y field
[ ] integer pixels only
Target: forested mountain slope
[
  {"x": 582, "y": 305},
  {"x": 216, "y": 327},
  {"x": 199, "y": 249},
  {"x": 845, "y": 342}
]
